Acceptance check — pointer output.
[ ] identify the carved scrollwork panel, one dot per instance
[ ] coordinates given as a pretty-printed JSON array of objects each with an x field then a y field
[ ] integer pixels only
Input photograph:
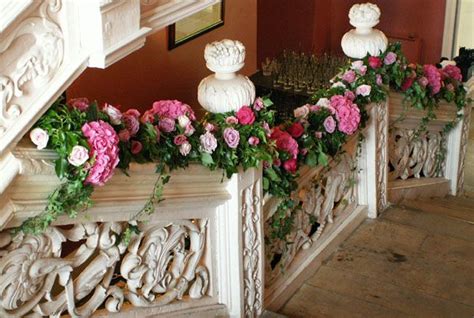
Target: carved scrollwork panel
[
  {"x": 328, "y": 196},
  {"x": 46, "y": 275},
  {"x": 414, "y": 156},
  {"x": 463, "y": 149}
]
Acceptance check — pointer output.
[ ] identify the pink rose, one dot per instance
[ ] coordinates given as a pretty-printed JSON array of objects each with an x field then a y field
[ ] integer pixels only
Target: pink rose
[
  {"x": 258, "y": 105},
  {"x": 208, "y": 142},
  {"x": 359, "y": 66},
  {"x": 314, "y": 108},
  {"x": 167, "y": 125},
  {"x": 378, "y": 79},
  {"x": 329, "y": 124},
  {"x": 209, "y": 127},
  {"x": 253, "y": 141},
  {"x": 130, "y": 120},
  {"x": 114, "y": 114},
  {"x": 189, "y": 130},
  {"x": 301, "y": 112},
  {"x": 136, "y": 147},
  {"x": 349, "y": 76},
  {"x": 124, "y": 135},
  {"x": 290, "y": 165},
  {"x": 78, "y": 156},
  {"x": 390, "y": 58},
  {"x": 267, "y": 129},
  {"x": 81, "y": 104},
  {"x": 231, "y": 137},
  {"x": 245, "y": 115},
  {"x": 363, "y": 90},
  {"x": 180, "y": 139},
  {"x": 375, "y": 62},
  {"x": 423, "y": 81},
  {"x": 296, "y": 130},
  {"x": 318, "y": 134},
  {"x": 231, "y": 120},
  {"x": 185, "y": 149},
  {"x": 148, "y": 117},
  {"x": 349, "y": 95},
  {"x": 39, "y": 137}
]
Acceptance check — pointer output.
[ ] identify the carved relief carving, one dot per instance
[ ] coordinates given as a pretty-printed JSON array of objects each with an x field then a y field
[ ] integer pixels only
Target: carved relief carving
[
  {"x": 37, "y": 65},
  {"x": 463, "y": 148},
  {"x": 252, "y": 234},
  {"x": 381, "y": 156},
  {"x": 330, "y": 195},
  {"x": 412, "y": 156},
  {"x": 161, "y": 264}
]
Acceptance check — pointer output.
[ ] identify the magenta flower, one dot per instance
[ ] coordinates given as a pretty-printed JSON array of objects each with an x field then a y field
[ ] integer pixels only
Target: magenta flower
[
  {"x": 453, "y": 72},
  {"x": 434, "y": 78},
  {"x": 103, "y": 143},
  {"x": 347, "y": 114},
  {"x": 231, "y": 137},
  {"x": 245, "y": 115},
  {"x": 172, "y": 109}
]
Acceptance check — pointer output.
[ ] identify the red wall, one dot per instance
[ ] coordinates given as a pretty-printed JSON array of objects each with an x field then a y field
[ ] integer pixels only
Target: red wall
[
  {"x": 154, "y": 73},
  {"x": 323, "y": 23}
]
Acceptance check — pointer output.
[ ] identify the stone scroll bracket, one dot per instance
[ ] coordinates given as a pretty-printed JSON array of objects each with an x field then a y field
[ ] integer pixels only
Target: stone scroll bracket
[
  {"x": 241, "y": 246},
  {"x": 373, "y": 161}
]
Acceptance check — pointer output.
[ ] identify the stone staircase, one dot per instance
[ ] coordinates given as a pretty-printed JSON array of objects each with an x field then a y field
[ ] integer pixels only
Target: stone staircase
[{"x": 417, "y": 259}]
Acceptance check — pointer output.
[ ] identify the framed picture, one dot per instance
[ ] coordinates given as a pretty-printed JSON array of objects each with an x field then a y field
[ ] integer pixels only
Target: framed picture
[{"x": 195, "y": 25}]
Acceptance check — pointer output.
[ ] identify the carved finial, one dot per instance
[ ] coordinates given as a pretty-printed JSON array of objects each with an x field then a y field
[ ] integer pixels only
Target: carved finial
[
  {"x": 225, "y": 56},
  {"x": 363, "y": 40}
]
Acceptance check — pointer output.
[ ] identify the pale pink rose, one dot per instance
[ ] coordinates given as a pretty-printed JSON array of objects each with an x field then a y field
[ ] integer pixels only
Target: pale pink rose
[
  {"x": 258, "y": 105},
  {"x": 349, "y": 76},
  {"x": 253, "y": 141},
  {"x": 423, "y": 81},
  {"x": 78, "y": 156},
  {"x": 39, "y": 137},
  {"x": 231, "y": 120},
  {"x": 390, "y": 58},
  {"x": 81, "y": 104},
  {"x": 314, "y": 108},
  {"x": 231, "y": 137},
  {"x": 136, "y": 147},
  {"x": 180, "y": 139},
  {"x": 209, "y": 127},
  {"x": 301, "y": 112},
  {"x": 124, "y": 135},
  {"x": 183, "y": 121},
  {"x": 359, "y": 66},
  {"x": 329, "y": 124},
  {"x": 323, "y": 102},
  {"x": 189, "y": 130},
  {"x": 208, "y": 142},
  {"x": 115, "y": 115},
  {"x": 185, "y": 149},
  {"x": 167, "y": 125},
  {"x": 378, "y": 79},
  {"x": 267, "y": 129},
  {"x": 363, "y": 90},
  {"x": 318, "y": 134}
]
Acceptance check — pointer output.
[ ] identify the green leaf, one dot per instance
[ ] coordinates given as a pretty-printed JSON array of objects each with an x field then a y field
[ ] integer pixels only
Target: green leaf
[
  {"x": 311, "y": 159},
  {"x": 206, "y": 159},
  {"x": 60, "y": 167},
  {"x": 323, "y": 159},
  {"x": 272, "y": 174},
  {"x": 267, "y": 101}
]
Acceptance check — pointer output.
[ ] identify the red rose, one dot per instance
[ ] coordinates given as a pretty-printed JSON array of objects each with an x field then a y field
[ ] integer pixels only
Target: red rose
[
  {"x": 407, "y": 83},
  {"x": 290, "y": 165},
  {"x": 136, "y": 147},
  {"x": 245, "y": 116},
  {"x": 296, "y": 130},
  {"x": 375, "y": 62}
]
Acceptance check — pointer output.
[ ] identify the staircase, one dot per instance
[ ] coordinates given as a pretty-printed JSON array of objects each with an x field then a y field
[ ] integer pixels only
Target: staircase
[{"x": 417, "y": 259}]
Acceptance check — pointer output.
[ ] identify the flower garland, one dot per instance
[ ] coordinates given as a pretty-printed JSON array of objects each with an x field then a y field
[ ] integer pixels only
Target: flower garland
[{"x": 91, "y": 142}]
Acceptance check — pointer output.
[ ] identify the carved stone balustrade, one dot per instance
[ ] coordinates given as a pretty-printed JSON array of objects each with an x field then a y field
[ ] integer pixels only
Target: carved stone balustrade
[
  {"x": 200, "y": 252},
  {"x": 425, "y": 162}
]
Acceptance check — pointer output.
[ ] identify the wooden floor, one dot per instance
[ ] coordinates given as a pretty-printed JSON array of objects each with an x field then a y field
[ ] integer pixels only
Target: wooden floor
[{"x": 414, "y": 261}]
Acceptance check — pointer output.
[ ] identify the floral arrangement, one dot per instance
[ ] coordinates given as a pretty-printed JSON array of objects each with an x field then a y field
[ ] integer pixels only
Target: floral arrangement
[{"x": 92, "y": 141}]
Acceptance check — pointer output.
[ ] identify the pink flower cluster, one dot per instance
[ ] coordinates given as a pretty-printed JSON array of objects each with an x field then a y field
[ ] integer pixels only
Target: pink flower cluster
[
  {"x": 347, "y": 114},
  {"x": 453, "y": 72},
  {"x": 170, "y": 113},
  {"x": 103, "y": 143},
  {"x": 434, "y": 78}
]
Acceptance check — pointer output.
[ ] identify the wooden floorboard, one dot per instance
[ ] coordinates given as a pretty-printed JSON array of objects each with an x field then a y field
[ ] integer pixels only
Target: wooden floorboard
[{"x": 411, "y": 262}]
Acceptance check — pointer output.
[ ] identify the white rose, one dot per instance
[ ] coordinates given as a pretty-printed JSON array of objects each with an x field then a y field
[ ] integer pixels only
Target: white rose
[
  {"x": 114, "y": 114},
  {"x": 183, "y": 121},
  {"x": 338, "y": 84},
  {"x": 39, "y": 137},
  {"x": 78, "y": 156},
  {"x": 185, "y": 148},
  {"x": 323, "y": 102}
]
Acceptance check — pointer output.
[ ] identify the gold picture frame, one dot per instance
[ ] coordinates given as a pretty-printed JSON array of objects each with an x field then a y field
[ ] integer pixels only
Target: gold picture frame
[{"x": 195, "y": 25}]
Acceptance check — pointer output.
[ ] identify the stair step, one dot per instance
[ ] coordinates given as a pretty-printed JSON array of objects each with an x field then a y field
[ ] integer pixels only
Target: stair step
[{"x": 451, "y": 209}]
